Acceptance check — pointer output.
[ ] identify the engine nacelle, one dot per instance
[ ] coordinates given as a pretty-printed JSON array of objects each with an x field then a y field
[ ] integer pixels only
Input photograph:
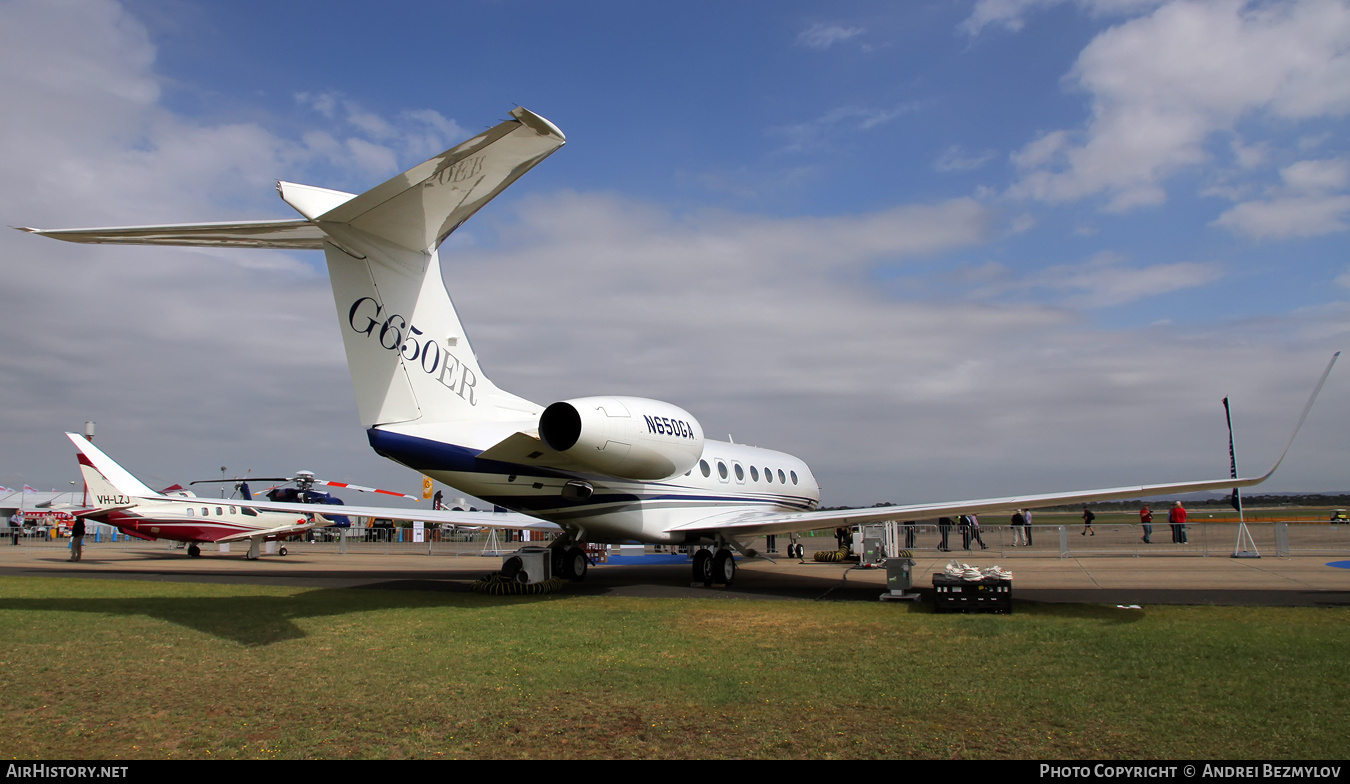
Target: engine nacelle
[{"x": 628, "y": 437}]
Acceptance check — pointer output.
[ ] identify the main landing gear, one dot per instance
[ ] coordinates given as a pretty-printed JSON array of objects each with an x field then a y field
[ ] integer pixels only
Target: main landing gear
[
  {"x": 715, "y": 569},
  {"x": 570, "y": 563},
  {"x": 194, "y": 551}
]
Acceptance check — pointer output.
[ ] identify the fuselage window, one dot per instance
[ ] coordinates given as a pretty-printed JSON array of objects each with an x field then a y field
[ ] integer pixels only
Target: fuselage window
[
  {"x": 205, "y": 511},
  {"x": 722, "y": 470},
  {"x": 703, "y": 466},
  {"x": 754, "y": 474},
  {"x": 794, "y": 477},
  {"x": 740, "y": 473},
  {"x": 220, "y": 511},
  {"x": 232, "y": 510},
  {"x": 768, "y": 475},
  {"x": 781, "y": 477},
  {"x": 189, "y": 511}
]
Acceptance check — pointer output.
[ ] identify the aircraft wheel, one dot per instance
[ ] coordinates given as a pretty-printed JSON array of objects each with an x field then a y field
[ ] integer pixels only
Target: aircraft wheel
[
  {"x": 576, "y": 564},
  {"x": 724, "y": 568},
  {"x": 194, "y": 551},
  {"x": 801, "y": 550},
  {"x": 281, "y": 551},
  {"x": 703, "y": 572}
]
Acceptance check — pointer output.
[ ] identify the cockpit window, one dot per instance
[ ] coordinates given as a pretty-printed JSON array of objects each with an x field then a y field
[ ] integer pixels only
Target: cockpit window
[{"x": 247, "y": 511}]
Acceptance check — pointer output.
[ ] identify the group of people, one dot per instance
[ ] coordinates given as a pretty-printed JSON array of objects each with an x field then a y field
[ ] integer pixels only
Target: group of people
[
  {"x": 1176, "y": 518},
  {"x": 18, "y": 522},
  {"x": 970, "y": 532},
  {"x": 1022, "y": 530}
]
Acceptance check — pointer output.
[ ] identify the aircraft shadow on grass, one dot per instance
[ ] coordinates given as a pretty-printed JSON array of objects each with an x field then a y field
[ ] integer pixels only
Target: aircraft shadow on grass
[{"x": 261, "y": 620}]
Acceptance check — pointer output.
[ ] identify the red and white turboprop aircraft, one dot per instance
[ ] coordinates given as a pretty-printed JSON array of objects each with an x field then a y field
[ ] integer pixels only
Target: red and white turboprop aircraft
[
  {"x": 604, "y": 469},
  {"x": 124, "y": 502}
]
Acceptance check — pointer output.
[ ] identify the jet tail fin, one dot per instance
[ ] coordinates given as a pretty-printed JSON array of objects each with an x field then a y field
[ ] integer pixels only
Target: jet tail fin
[{"x": 407, "y": 353}]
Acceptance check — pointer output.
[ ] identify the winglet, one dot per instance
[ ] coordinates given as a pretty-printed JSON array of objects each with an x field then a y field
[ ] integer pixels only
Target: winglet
[{"x": 1311, "y": 399}]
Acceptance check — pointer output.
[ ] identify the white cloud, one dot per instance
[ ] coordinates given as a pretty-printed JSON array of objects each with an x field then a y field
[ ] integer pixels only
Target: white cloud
[
  {"x": 1104, "y": 282},
  {"x": 956, "y": 158},
  {"x": 822, "y": 35},
  {"x": 1306, "y": 205},
  {"x": 811, "y": 135},
  {"x": 1295, "y": 216},
  {"x": 1011, "y": 14},
  {"x": 1317, "y": 176},
  {"x": 1164, "y": 84}
]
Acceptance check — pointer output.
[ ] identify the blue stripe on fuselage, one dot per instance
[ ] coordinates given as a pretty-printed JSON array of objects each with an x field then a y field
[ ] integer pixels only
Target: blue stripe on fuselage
[
  {"x": 421, "y": 454},
  {"x": 425, "y": 455}
]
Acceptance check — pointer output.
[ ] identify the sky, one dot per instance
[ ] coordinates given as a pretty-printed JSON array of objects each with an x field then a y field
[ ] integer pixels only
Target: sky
[{"x": 937, "y": 249}]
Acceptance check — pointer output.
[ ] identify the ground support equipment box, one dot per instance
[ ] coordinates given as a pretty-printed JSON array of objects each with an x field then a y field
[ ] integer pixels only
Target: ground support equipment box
[{"x": 952, "y": 594}]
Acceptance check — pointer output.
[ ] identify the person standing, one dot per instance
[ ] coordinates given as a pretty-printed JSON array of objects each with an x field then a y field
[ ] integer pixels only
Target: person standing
[
  {"x": 1146, "y": 522},
  {"x": 909, "y": 534},
  {"x": 16, "y": 525},
  {"x": 1088, "y": 517},
  {"x": 1019, "y": 529},
  {"x": 964, "y": 523},
  {"x": 975, "y": 532},
  {"x": 1026, "y": 517},
  {"x": 945, "y": 529},
  {"x": 77, "y": 539},
  {"x": 1177, "y": 518}
]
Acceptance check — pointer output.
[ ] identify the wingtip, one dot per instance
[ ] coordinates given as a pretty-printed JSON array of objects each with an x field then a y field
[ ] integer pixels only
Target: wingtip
[{"x": 540, "y": 124}]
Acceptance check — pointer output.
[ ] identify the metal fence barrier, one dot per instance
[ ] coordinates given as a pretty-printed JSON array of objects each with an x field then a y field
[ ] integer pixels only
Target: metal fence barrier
[{"x": 1203, "y": 539}]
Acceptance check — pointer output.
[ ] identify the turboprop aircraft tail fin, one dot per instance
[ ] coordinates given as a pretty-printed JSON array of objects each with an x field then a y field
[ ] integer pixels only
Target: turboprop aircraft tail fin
[{"x": 109, "y": 483}]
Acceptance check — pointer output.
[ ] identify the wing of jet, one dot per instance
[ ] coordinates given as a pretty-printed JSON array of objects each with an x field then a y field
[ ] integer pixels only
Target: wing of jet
[
  {"x": 758, "y": 524},
  {"x": 511, "y": 520}
]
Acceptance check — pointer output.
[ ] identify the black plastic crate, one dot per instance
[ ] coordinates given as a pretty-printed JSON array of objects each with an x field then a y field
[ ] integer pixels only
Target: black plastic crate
[{"x": 952, "y": 594}]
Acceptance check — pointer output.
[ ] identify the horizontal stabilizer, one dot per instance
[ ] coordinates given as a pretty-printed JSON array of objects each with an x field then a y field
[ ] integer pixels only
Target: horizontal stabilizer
[
  {"x": 419, "y": 208},
  {"x": 511, "y": 520},
  {"x": 288, "y": 234}
]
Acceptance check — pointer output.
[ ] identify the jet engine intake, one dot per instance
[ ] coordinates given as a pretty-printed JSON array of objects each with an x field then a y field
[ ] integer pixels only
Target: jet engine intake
[{"x": 626, "y": 437}]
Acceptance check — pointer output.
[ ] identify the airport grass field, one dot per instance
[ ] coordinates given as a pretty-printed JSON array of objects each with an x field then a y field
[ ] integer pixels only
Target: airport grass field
[{"x": 112, "y": 669}]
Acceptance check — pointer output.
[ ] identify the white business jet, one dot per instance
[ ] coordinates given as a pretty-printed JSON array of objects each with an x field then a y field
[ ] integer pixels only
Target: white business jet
[
  {"x": 604, "y": 469},
  {"x": 121, "y": 500}
]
